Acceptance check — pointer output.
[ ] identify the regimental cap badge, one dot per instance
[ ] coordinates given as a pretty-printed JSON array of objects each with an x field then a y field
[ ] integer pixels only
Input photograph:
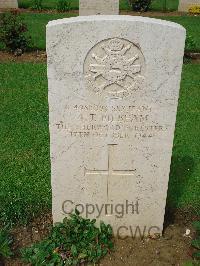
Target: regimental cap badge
[{"x": 114, "y": 68}]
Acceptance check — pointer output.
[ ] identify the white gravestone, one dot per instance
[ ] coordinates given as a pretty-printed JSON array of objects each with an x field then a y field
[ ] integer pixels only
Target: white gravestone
[
  {"x": 8, "y": 4},
  {"x": 113, "y": 94},
  {"x": 98, "y": 7},
  {"x": 184, "y": 5}
]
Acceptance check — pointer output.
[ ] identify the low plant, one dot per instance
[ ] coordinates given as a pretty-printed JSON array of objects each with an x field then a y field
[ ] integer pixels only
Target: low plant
[
  {"x": 75, "y": 241},
  {"x": 190, "y": 44},
  {"x": 5, "y": 244},
  {"x": 196, "y": 242},
  {"x": 37, "y": 4},
  {"x": 196, "y": 246},
  {"x": 140, "y": 5},
  {"x": 13, "y": 32},
  {"x": 63, "y": 5}
]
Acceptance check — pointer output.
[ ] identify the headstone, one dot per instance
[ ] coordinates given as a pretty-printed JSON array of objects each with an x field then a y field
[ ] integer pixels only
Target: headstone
[
  {"x": 113, "y": 93},
  {"x": 8, "y": 4},
  {"x": 98, "y": 7},
  {"x": 184, "y": 5}
]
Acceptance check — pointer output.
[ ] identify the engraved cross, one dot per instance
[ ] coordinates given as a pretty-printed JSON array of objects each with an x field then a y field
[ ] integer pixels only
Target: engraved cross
[{"x": 110, "y": 171}]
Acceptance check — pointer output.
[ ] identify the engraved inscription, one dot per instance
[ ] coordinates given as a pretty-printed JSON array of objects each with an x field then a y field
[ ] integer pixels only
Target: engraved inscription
[
  {"x": 118, "y": 122},
  {"x": 114, "y": 68},
  {"x": 110, "y": 172}
]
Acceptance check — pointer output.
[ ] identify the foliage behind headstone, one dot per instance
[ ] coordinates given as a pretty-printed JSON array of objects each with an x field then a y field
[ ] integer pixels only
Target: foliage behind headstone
[
  {"x": 140, "y": 5},
  {"x": 63, "y": 5},
  {"x": 37, "y": 4},
  {"x": 13, "y": 32}
]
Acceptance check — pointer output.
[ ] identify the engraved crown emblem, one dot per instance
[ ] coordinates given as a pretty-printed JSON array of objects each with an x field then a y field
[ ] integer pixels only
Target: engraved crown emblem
[{"x": 115, "y": 45}]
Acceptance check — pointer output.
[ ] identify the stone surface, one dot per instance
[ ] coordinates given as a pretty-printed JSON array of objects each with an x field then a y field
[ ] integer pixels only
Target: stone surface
[
  {"x": 184, "y": 5},
  {"x": 8, "y": 4},
  {"x": 113, "y": 94},
  {"x": 98, "y": 7}
]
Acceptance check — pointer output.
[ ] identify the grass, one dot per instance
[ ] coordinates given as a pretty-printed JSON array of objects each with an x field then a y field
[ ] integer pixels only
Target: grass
[
  {"x": 47, "y": 4},
  {"x": 191, "y": 23},
  {"x": 184, "y": 185},
  {"x": 37, "y": 26},
  {"x": 5, "y": 244},
  {"x": 157, "y": 5},
  {"x": 25, "y": 164}
]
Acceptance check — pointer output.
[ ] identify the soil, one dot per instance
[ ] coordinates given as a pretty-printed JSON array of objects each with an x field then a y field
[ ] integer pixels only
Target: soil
[
  {"x": 33, "y": 57},
  {"x": 173, "y": 248}
]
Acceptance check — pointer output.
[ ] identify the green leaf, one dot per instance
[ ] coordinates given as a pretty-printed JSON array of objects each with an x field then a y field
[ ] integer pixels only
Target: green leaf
[
  {"x": 77, "y": 212},
  {"x": 82, "y": 255},
  {"x": 75, "y": 262},
  {"x": 74, "y": 250},
  {"x": 5, "y": 243},
  {"x": 196, "y": 255},
  {"x": 99, "y": 252},
  {"x": 196, "y": 226},
  {"x": 196, "y": 243},
  {"x": 72, "y": 242}
]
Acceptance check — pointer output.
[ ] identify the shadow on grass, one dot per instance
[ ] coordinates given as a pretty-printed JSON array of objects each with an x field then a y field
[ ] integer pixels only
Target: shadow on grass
[{"x": 181, "y": 170}]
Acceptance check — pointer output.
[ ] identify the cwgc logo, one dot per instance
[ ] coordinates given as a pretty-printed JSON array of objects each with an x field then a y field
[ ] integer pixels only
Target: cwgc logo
[{"x": 114, "y": 68}]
